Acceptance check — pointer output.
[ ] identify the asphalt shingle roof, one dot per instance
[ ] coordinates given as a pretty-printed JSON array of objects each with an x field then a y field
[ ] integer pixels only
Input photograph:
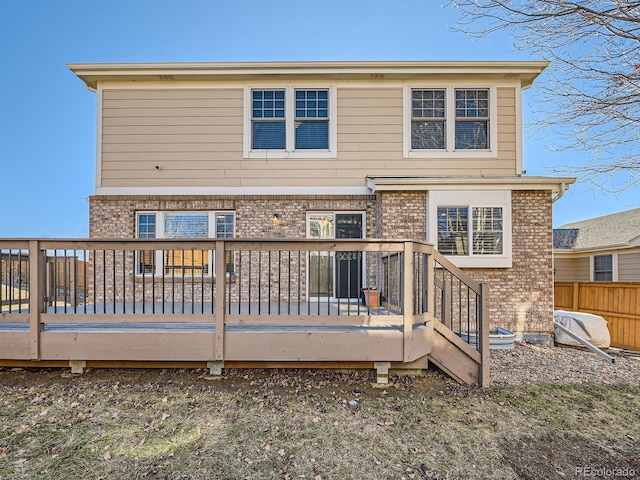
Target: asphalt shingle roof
[{"x": 615, "y": 229}]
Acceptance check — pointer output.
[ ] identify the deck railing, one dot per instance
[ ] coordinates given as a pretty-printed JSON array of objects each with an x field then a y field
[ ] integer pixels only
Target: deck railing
[{"x": 215, "y": 286}]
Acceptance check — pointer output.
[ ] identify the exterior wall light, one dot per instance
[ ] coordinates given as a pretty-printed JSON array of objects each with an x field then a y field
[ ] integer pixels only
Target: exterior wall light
[{"x": 276, "y": 219}]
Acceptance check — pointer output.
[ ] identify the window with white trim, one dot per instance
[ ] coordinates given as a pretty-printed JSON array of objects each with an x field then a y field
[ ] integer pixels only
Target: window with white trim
[
  {"x": 473, "y": 228},
  {"x": 603, "y": 268},
  {"x": 483, "y": 231},
  {"x": 290, "y": 122},
  {"x": 182, "y": 225},
  {"x": 446, "y": 120}
]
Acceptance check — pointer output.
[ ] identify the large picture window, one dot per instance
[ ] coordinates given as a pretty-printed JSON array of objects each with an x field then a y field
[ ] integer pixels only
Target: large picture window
[
  {"x": 473, "y": 228},
  {"x": 483, "y": 231},
  {"x": 184, "y": 225}
]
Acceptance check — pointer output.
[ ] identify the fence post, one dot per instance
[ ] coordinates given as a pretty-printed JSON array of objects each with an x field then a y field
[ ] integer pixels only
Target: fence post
[
  {"x": 576, "y": 297},
  {"x": 483, "y": 333},
  {"x": 36, "y": 291},
  {"x": 220, "y": 288},
  {"x": 407, "y": 301}
]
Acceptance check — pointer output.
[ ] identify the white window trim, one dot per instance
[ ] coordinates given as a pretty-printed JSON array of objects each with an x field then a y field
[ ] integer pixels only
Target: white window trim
[
  {"x": 471, "y": 199},
  {"x": 450, "y": 120},
  {"x": 160, "y": 222},
  {"x": 290, "y": 151},
  {"x": 614, "y": 266}
]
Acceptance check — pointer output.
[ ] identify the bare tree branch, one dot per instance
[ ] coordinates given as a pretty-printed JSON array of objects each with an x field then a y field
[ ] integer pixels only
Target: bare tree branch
[{"x": 591, "y": 99}]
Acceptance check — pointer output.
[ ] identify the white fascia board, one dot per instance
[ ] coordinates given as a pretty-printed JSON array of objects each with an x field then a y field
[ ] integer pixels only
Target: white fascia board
[
  {"x": 232, "y": 191},
  {"x": 90, "y": 73},
  {"x": 468, "y": 183}
]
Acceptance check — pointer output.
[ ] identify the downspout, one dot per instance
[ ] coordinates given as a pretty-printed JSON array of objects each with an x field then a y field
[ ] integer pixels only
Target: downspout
[{"x": 563, "y": 188}]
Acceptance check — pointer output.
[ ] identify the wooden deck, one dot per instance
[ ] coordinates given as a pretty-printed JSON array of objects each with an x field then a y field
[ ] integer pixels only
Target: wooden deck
[{"x": 267, "y": 310}]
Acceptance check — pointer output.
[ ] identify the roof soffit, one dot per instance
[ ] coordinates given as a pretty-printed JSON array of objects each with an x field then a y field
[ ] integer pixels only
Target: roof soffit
[{"x": 524, "y": 71}]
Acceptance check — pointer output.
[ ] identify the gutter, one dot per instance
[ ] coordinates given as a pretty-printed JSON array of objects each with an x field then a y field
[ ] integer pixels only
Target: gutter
[{"x": 563, "y": 188}]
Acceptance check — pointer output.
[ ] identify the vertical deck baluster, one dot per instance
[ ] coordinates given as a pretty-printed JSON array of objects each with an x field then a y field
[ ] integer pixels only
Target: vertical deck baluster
[
  {"x": 115, "y": 287},
  {"x": 279, "y": 279},
  {"x": 94, "y": 290},
  {"x": 289, "y": 283},
  {"x": 299, "y": 293},
  {"x": 228, "y": 283},
  {"x": 193, "y": 274},
  {"x": 74, "y": 283},
  {"x": 259, "y": 281},
  {"x": 239, "y": 279},
  {"x": 204, "y": 270},
  {"x": 182, "y": 282},
  {"x": 124, "y": 281},
  {"x": 250, "y": 276},
  {"x": 269, "y": 285},
  {"x": 11, "y": 283},
  {"x": 173, "y": 281}
]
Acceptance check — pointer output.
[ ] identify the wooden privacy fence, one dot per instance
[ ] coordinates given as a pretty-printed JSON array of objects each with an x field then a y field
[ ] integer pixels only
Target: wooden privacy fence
[
  {"x": 618, "y": 303},
  {"x": 241, "y": 302}
]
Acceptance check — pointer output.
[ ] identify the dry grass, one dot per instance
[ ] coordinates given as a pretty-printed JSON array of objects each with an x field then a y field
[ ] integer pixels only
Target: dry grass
[{"x": 263, "y": 425}]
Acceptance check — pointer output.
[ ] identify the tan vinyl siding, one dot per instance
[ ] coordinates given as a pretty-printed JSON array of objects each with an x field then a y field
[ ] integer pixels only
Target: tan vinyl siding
[
  {"x": 582, "y": 269},
  {"x": 196, "y": 138},
  {"x": 507, "y": 128},
  {"x": 629, "y": 267},
  {"x": 193, "y": 135}
]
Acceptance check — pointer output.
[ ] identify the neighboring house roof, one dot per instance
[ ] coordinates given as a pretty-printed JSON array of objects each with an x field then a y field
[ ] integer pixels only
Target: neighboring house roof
[{"x": 615, "y": 230}]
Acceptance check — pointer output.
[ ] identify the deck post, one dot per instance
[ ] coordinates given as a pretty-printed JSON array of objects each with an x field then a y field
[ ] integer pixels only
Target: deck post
[
  {"x": 37, "y": 271},
  {"x": 483, "y": 332},
  {"x": 215, "y": 368},
  {"x": 431, "y": 286},
  {"x": 407, "y": 303},
  {"x": 220, "y": 288},
  {"x": 382, "y": 372}
]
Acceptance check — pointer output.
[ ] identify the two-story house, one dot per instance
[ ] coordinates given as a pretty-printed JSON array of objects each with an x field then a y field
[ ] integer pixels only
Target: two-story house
[{"x": 421, "y": 150}]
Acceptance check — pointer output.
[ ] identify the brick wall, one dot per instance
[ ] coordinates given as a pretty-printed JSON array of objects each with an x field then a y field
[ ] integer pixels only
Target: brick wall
[{"x": 521, "y": 296}]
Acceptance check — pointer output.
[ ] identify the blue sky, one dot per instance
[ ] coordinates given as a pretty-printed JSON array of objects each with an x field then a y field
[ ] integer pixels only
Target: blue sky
[{"x": 47, "y": 125}]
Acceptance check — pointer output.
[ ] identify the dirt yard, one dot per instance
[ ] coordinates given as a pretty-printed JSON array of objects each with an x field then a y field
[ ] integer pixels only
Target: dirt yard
[{"x": 256, "y": 424}]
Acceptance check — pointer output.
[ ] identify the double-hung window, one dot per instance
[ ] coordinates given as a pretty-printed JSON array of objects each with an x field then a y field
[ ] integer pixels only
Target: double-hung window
[
  {"x": 290, "y": 122},
  {"x": 428, "y": 119},
  {"x": 184, "y": 225},
  {"x": 603, "y": 268},
  {"x": 268, "y": 125},
  {"x": 448, "y": 121},
  {"x": 472, "y": 119}
]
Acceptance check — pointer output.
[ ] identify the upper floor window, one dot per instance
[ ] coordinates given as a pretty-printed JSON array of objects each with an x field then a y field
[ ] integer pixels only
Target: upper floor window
[
  {"x": 428, "y": 119},
  {"x": 187, "y": 225},
  {"x": 603, "y": 268},
  {"x": 268, "y": 120},
  {"x": 472, "y": 119},
  {"x": 449, "y": 121},
  {"x": 290, "y": 122}
]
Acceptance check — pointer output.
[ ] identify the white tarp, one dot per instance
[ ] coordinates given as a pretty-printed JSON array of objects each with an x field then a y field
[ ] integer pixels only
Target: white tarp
[{"x": 592, "y": 328}]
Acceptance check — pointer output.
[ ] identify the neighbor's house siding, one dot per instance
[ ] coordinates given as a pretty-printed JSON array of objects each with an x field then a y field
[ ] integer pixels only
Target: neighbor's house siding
[
  {"x": 521, "y": 297},
  {"x": 629, "y": 267},
  {"x": 195, "y": 136},
  {"x": 572, "y": 269},
  {"x": 564, "y": 269}
]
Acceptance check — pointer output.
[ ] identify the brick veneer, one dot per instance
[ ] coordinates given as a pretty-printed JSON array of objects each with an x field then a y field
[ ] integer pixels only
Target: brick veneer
[{"x": 521, "y": 296}]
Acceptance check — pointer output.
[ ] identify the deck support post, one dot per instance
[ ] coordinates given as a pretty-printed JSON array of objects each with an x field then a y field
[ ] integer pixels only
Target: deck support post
[
  {"x": 483, "y": 336},
  {"x": 220, "y": 290},
  {"x": 77, "y": 366},
  {"x": 407, "y": 304},
  {"x": 36, "y": 294},
  {"x": 382, "y": 372},
  {"x": 215, "y": 368}
]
